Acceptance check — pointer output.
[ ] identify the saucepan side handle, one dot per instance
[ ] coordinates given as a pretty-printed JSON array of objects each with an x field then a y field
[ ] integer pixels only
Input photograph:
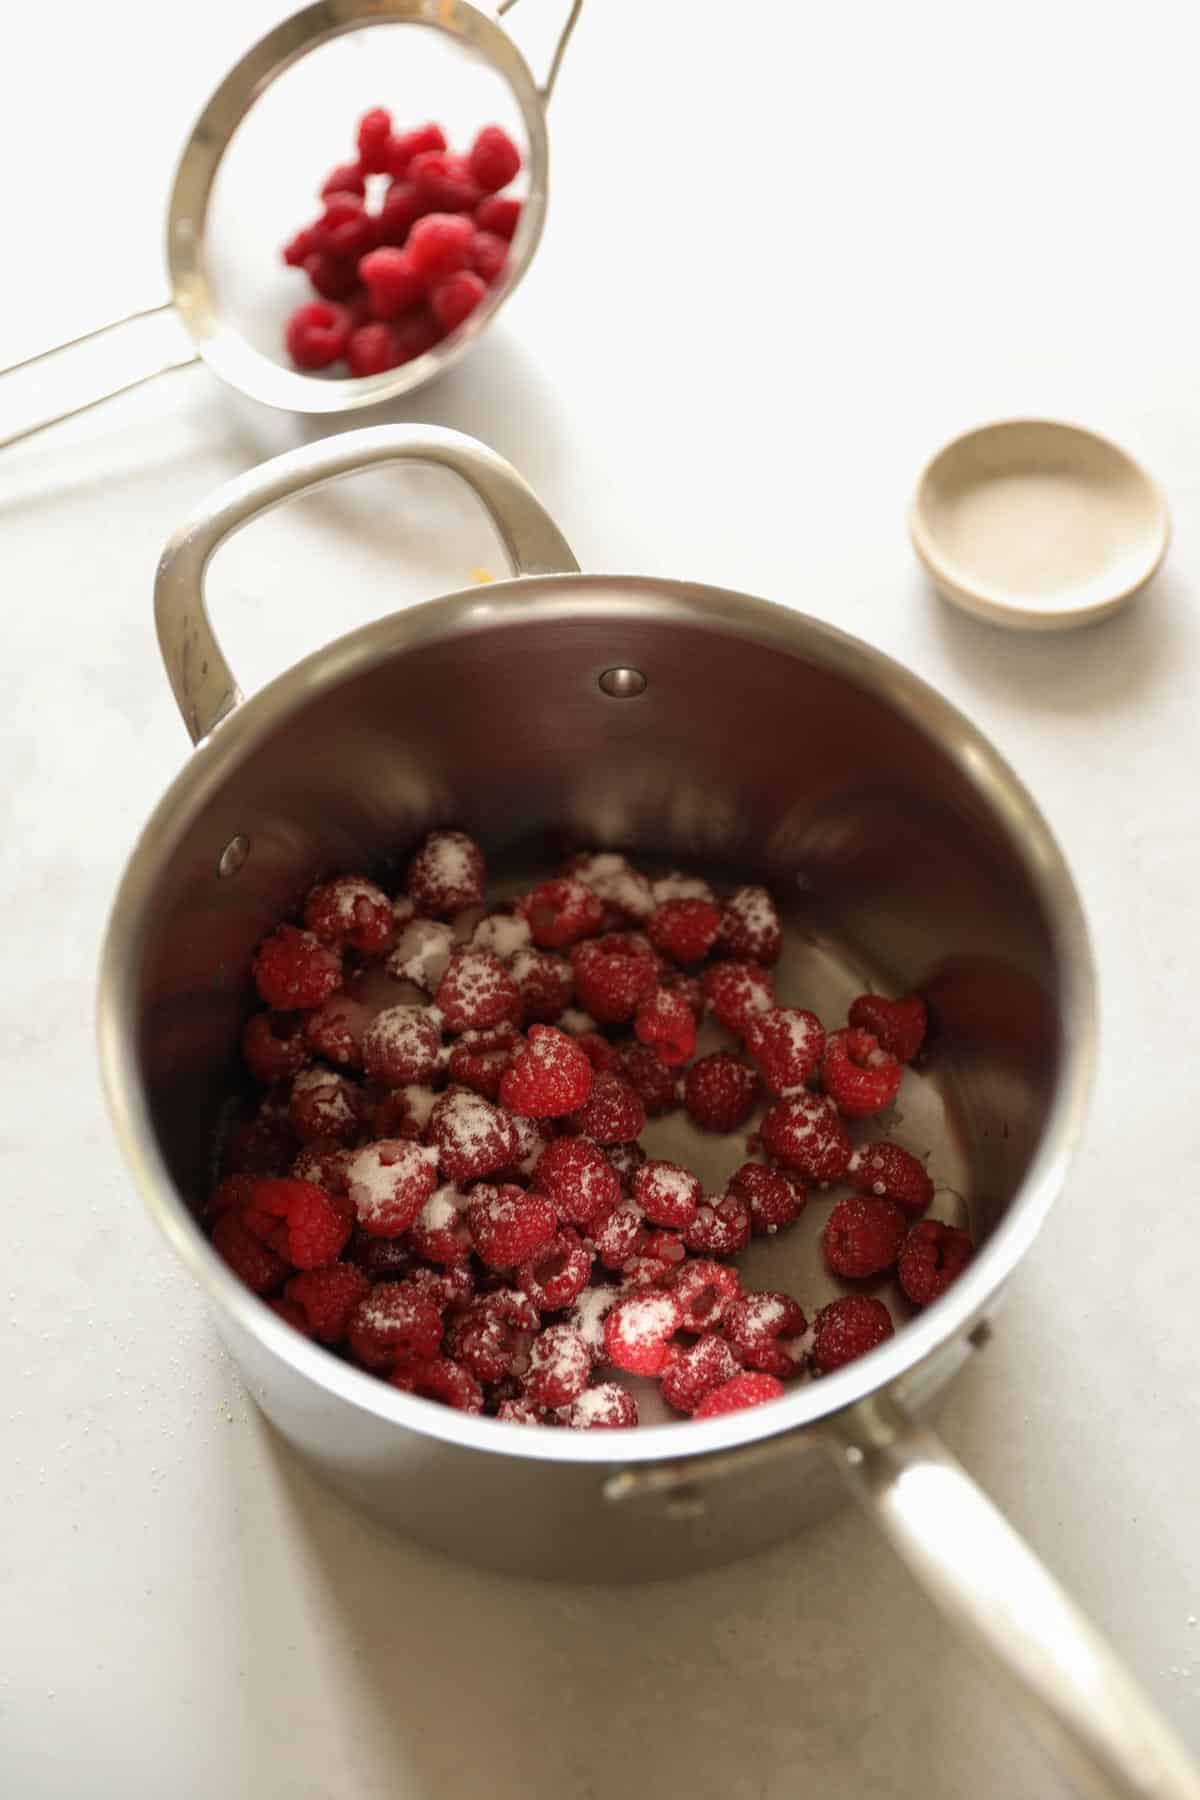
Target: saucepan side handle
[
  {"x": 202, "y": 681},
  {"x": 1104, "y": 1731}
]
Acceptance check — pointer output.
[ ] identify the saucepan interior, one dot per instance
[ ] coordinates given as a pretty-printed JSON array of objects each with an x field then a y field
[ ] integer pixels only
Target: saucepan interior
[{"x": 759, "y": 745}]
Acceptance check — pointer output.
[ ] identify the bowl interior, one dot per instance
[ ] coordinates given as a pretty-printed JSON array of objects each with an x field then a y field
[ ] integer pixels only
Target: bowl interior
[{"x": 763, "y": 746}]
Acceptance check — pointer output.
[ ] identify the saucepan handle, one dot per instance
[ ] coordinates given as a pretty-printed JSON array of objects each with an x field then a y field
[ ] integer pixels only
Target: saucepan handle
[
  {"x": 202, "y": 681},
  {"x": 970, "y": 1561}
]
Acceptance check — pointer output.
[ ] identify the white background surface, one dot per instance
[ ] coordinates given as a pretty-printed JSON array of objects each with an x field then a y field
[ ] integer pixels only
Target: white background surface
[{"x": 777, "y": 273}]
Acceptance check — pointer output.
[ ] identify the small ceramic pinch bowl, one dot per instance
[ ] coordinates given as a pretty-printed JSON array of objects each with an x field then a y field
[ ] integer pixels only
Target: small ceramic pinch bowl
[{"x": 1038, "y": 525}]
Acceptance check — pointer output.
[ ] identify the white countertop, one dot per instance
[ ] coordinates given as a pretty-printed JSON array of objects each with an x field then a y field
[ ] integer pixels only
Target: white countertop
[{"x": 838, "y": 250}]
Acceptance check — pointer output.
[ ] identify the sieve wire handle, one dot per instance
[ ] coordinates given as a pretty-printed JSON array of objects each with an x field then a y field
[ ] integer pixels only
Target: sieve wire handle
[
  {"x": 1095, "y": 1720},
  {"x": 90, "y": 369},
  {"x": 560, "y": 48},
  {"x": 203, "y": 683}
]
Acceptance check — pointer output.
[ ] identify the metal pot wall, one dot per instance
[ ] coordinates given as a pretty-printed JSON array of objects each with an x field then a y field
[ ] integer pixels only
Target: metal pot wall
[{"x": 703, "y": 726}]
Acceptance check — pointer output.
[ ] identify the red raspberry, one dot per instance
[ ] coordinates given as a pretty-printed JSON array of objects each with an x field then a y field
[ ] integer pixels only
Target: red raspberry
[
  {"x": 847, "y": 1328},
  {"x": 477, "y": 992},
  {"x": 422, "y": 953},
  {"x": 607, "y": 1406},
  {"x": 719, "y": 1092},
  {"x": 335, "y": 1030},
  {"x": 637, "y": 1331},
  {"x": 684, "y": 930},
  {"x": 620, "y": 1238},
  {"x": 750, "y": 928},
  {"x": 602, "y": 1055},
  {"x": 546, "y": 984},
  {"x": 414, "y": 334},
  {"x": 334, "y": 278},
  {"x": 373, "y": 139},
  {"x": 859, "y": 1077},
  {"x": 508, "y": 1224},
  {"x": 704, "y": 1292},
  {"x": 439, "y": 246},
  {"x": 437, "y": 1378},
  {"x": 347, "y": 178},
  {"x": 579, "y": 1179},
  {"x": 687, "y": 988},
  {"x": 500, "y": 215},
  {"x": 492, "y": 1338},
  {"x": 744, "y": 1390},
  {"x": 933, "y": 1256},
  {"x": 439, "y": 1232},
  {"x": 763, "y": 1328},
  {"x": 626, "y": 1159},
  {"x": 404, "y": 1112},
  {"x": 658, "y": 1263},
  {"x": 479, "y": 1058},
  {"x": 898, "y": 1024},
  {"x": 721, "y": 1227},
  {"x": 551, "y": 1076},
  {"x": 505, "y": 934},
  {"x": 389, "y": 1182},
  {"x": 345, "y": 228},
  {"x": 891, "y": 1174},
  {"x": 786, "y": 1042},
  {"x": 612, "y": 1113},
  {"x": 401, "y": 1045},
  {"x": 656, "y": 1086},
  {"x": 738, "y": 992},
  {"x": 350, "y": 912},
  {"x": 380, "y": 1259},
  {"x": 407, "y": 144},
  {"x": 559, "y": 1367},
  {"x": 316, "y": 335},
  {"x": 494, "y": 159},
  {"x": 394, "y": 1323},
  {"x": 291, "y": 1314},
  {"x": 301, "y": 246},
  {"x": 324, "y": 1104},
  {"x": 667, "y": 1024},
  {"x": 318, "y": 1224},
  {"x": 274, "y": 1046},
  {"x": 558, "y": 1274},
  {"x": 456, "y": 298},
  {"x": 774, "y": 1199},
  {"x": 372, "y": 350},
  {"x": 692, "y": 1371},
  {"x": 520, "y": 1412},
  {"x": 667, "y": 1194},
  {"x": 806, "y": 1134},
  {"x": 446, "y": 875},
  {"x": 450, "y": 1288},
  {"x": 393, "y": 284},
  {"x": 489, "y": 256},
  {"x": 327, "y": 1297},
  {"x": 862, "y": 1235},
  {"x": 251, "y": 1261},
  {"x": 291, "y": 969},
  {"x": 561, "y": 912},
  {"x": 613, "y": 974},
  {"x": 402, "y": 207},
  {"x": 324, "y": 1163},
  {"x": 471, "y": 1136},
  {"x": 445, "y": 181}
]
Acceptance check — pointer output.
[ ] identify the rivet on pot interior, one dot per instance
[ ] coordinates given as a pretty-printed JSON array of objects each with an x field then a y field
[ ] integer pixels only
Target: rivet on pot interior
[
  {"x": 233, "y": 855},
  {"x": 622, "y": 683}
]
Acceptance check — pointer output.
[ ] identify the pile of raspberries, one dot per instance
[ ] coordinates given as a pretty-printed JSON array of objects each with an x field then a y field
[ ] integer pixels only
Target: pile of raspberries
[
  {"x": 441, "y": 1179},
  {"x": 394, "y": 278}
]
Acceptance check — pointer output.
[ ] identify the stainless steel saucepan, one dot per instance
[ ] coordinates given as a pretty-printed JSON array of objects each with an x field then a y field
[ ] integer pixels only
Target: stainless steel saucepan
[{"x": 671, "y": 719}]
